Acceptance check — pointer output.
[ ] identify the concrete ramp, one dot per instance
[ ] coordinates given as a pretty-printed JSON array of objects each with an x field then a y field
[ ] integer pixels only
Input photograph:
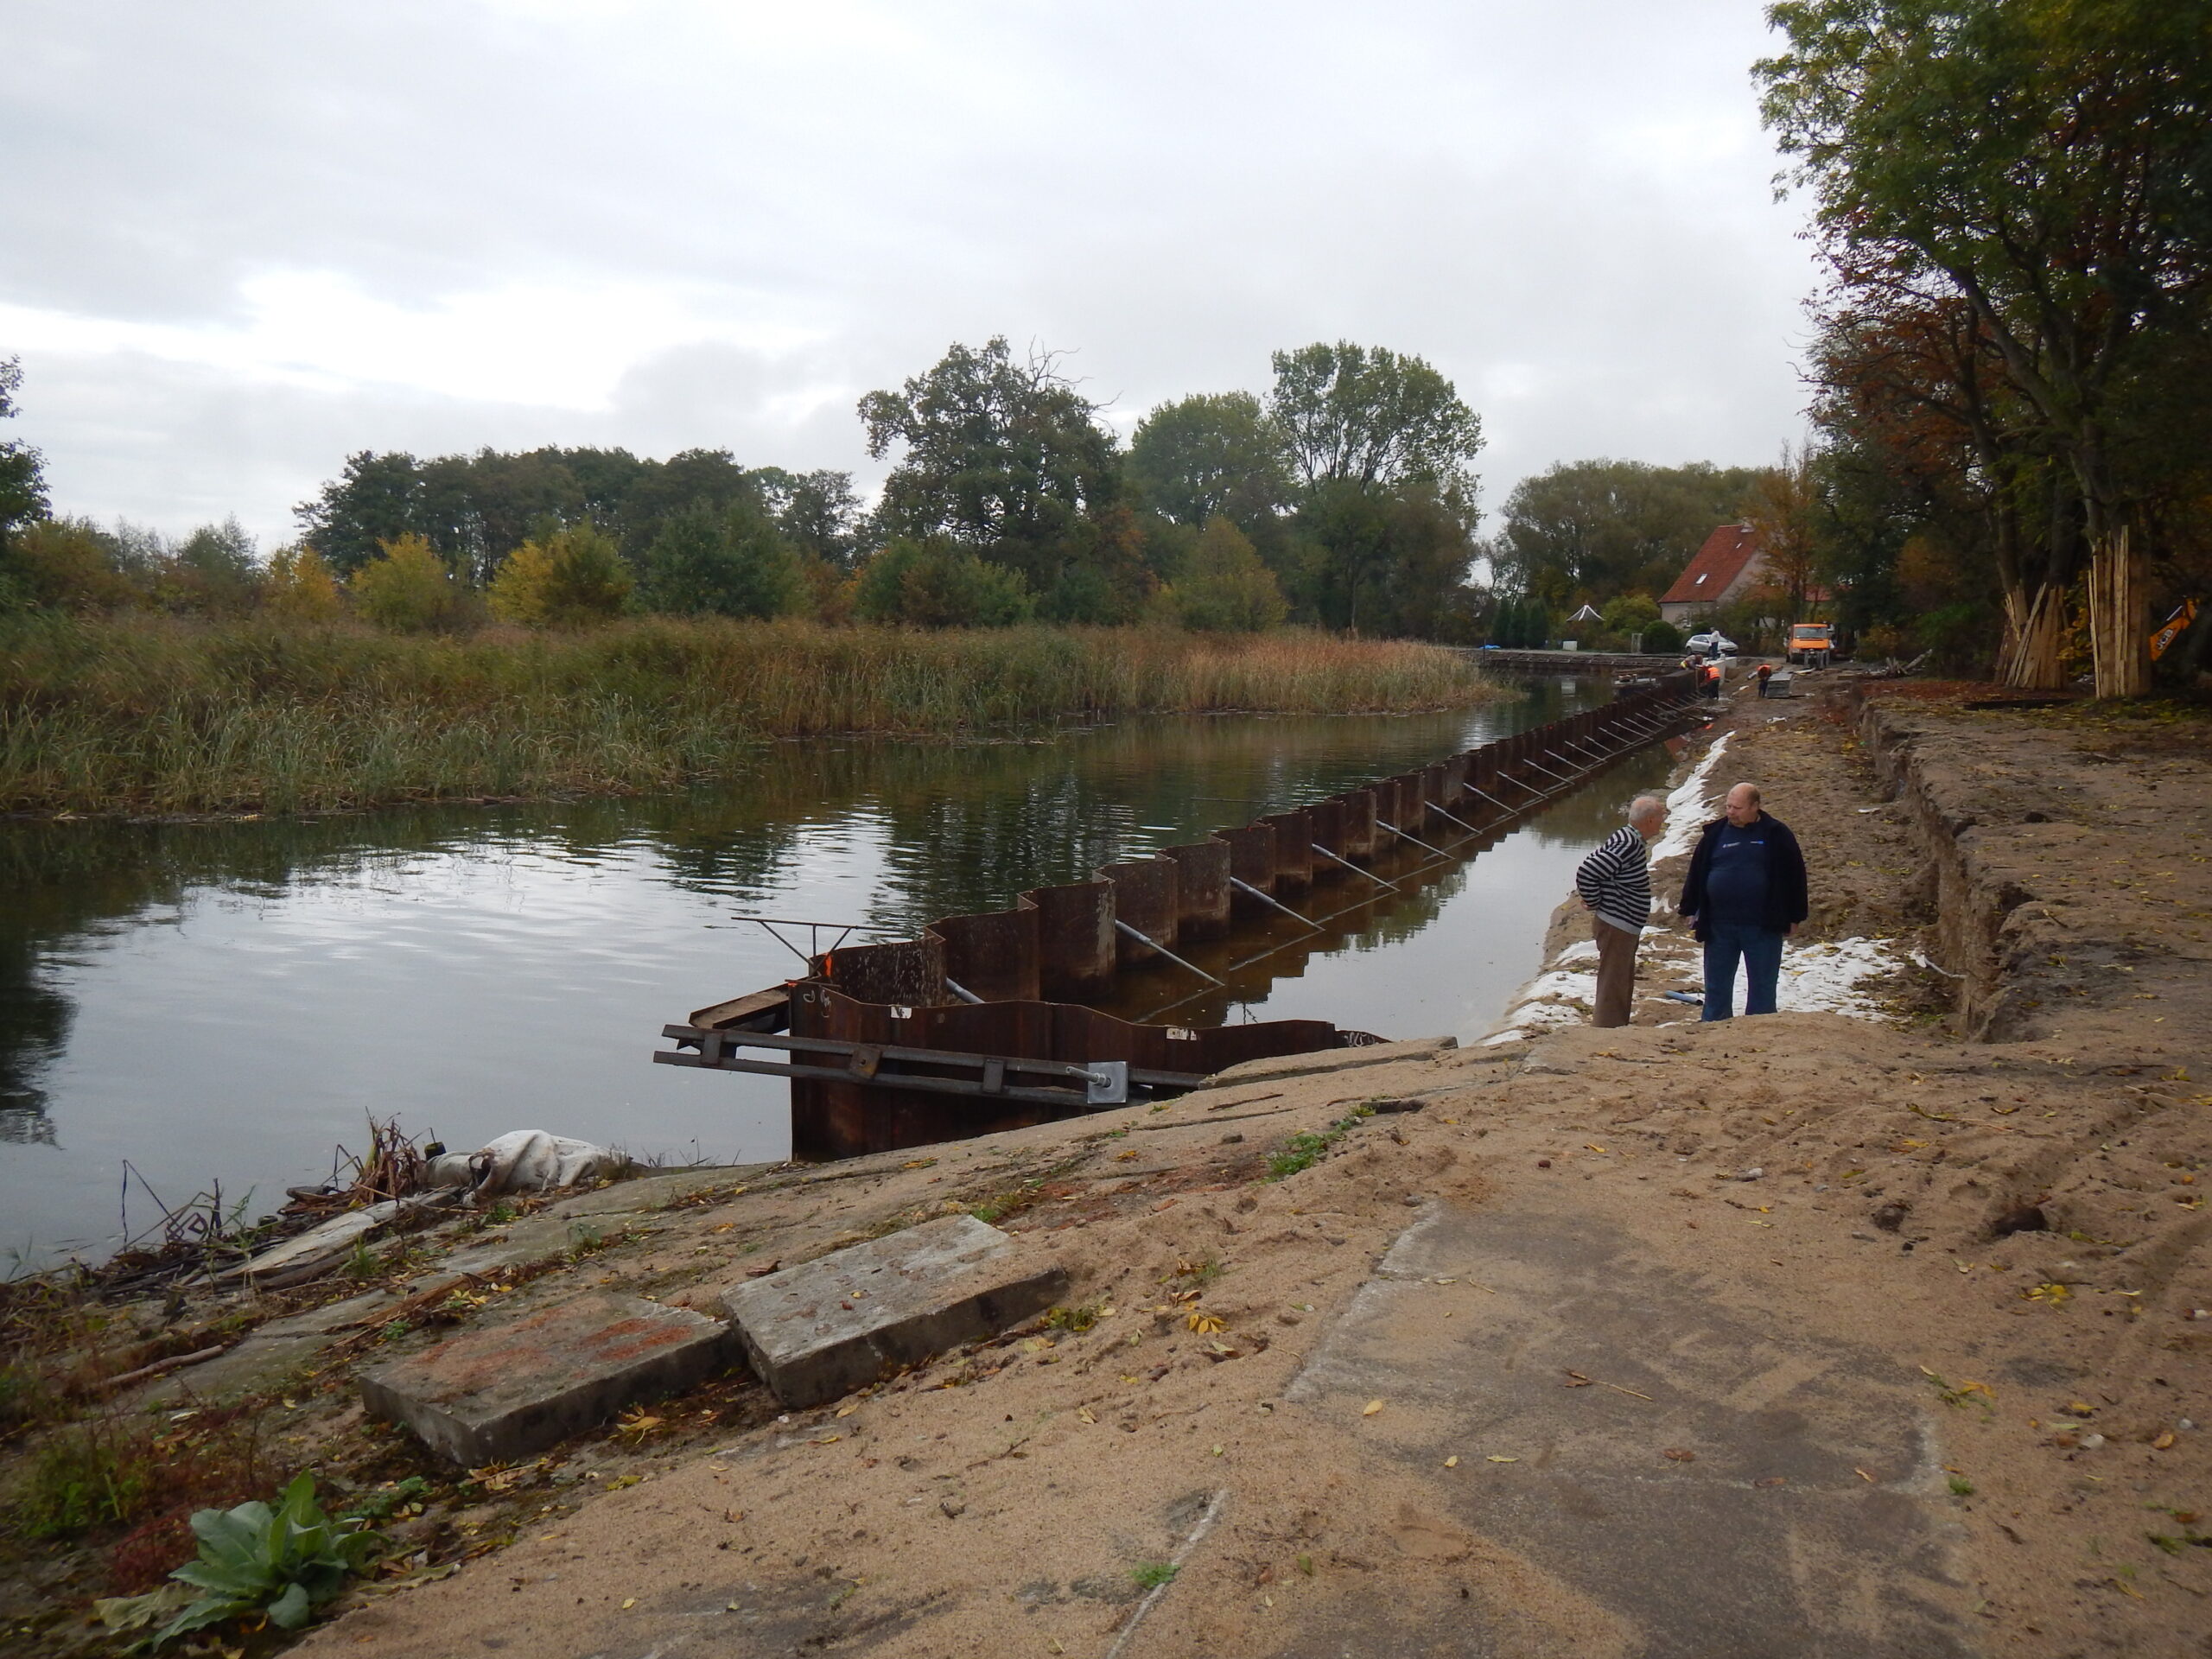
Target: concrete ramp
[{"x": 1699, "y": 1480}]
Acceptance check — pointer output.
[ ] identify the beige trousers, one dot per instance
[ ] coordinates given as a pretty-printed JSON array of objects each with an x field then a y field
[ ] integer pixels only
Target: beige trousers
[{"x": 1616, "y": 972}]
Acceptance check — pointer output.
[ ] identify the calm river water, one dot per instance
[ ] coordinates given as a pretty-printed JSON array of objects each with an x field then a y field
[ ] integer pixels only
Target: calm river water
[{"x": 228, "y": 1002}]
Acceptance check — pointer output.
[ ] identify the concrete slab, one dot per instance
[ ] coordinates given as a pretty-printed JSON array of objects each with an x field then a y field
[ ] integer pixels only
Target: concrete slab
[
  {"x": 1332, "y": 1060},
  {"x": 496, "y": 1395},
  {"x": 850, "y": 1317},
  {"x": 1767, "y": 1540}
]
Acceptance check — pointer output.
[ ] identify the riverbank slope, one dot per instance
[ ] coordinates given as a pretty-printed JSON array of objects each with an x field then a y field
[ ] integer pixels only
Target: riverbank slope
[{"x": 1814, "y": 1334}]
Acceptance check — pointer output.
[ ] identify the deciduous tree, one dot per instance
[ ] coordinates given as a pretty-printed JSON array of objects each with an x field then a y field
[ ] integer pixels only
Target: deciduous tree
[
  {"x": 1002, "y": 458},
  {"x": 1225, "y": 588},
  {"x": 573, "y": 578}
]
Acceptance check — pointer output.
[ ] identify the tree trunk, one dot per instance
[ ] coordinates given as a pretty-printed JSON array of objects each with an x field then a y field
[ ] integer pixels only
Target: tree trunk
[
  {"x": 2119, "y": 640},
  {"x": 2035, "y": 623}
]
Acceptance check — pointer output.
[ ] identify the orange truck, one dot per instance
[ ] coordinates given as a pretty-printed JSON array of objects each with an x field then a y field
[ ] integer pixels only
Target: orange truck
[{"x": 1812, "y": 644}]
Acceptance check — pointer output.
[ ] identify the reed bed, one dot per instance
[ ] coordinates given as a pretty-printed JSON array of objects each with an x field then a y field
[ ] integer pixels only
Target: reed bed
[{"x": 164, "y": 715}]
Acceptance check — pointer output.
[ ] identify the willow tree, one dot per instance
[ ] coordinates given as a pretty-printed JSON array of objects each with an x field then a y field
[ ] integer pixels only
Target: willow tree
[{"x": 2048, "y": 163}]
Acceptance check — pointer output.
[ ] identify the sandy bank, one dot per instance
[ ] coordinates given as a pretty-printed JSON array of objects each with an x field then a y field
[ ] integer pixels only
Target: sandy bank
[{"x": 1780, "y": 1247}]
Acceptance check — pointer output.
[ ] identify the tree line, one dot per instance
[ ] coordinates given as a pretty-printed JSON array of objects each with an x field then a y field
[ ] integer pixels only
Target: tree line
[{"x": 1345, "y": 498}]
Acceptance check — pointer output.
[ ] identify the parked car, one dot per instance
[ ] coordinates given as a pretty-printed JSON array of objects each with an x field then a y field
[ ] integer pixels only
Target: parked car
[{"x": 1711, "y": 642}]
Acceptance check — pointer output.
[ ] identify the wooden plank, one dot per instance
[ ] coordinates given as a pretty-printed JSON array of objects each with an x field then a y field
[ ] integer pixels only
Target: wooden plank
[{"x": 768, "y": 1010}]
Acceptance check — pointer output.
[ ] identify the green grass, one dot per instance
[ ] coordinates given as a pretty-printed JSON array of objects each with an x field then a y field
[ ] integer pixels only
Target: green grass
[
  {"x": 145, "y": 714},
  {"x": 1305, "y": 1148},
  {"x": 1150, "y": 1575}
]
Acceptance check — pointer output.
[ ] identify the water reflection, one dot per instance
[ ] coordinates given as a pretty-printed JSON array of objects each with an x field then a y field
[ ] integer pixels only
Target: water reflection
[{"x": 229, "y": 999}]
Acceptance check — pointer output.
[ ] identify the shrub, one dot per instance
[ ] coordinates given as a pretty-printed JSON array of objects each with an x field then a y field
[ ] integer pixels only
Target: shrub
[
  {"x": 1224, "y": 587},
  {"x": 301, "y": 585},
  {"x": 212, "y": 573},
  {"x": 1886, "y": 640},
  {"x": 573, "y": 578},
  {"x": 408, "y": 588},
  {"x": 1663, "y": 637},
  {"x": 935, "y": 584},
  {"x": 1957, "y": 636},
  {"x": 1630, "y": 614},
  {"x": 724, "y": 561},
  {"x": 951, "y": 587},
  {"x": 63, "y": 565}
]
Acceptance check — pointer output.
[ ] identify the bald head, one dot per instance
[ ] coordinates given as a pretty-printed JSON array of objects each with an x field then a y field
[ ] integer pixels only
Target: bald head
[
  {"x": 1647, "y": 815},
  {"x": 1744, "y": 805}
]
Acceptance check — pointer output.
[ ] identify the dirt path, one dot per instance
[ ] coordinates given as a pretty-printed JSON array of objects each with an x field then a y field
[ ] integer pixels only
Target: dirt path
[{"x": 1782, "y": 1246}]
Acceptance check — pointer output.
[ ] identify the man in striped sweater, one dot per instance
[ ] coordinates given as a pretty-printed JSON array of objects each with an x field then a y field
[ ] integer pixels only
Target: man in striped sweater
[{"x": 1615, "y": 885}]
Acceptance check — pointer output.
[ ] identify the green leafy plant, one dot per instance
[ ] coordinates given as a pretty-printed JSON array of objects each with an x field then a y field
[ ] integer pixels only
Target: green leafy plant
[
  {"x": 1150, "y": 1575},
  {"x": 1080, "y": 1317},
  {"x": 1305, "y": 1149},
  {"x": 285, "y": 1561},
  {"x": 1961, "y": 1487}
]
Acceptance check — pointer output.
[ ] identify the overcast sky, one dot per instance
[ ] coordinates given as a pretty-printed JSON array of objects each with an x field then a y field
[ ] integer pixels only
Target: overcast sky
[{"x": 247, "y": 237}]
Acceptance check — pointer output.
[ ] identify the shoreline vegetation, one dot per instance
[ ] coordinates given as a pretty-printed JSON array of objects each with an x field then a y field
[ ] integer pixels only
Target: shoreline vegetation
[{"x": 147, "y": 715}]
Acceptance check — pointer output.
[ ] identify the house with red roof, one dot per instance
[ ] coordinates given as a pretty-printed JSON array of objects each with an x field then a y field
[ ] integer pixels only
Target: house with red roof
[{"x": 1729, "y": 567}]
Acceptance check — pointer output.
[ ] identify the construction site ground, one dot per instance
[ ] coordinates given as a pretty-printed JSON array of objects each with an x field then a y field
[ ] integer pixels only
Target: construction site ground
[{"x": 1796, "y": 1335}]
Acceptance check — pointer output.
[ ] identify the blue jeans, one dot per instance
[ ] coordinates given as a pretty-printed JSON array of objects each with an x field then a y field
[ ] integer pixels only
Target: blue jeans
[{"x": 1761, "y": 950}]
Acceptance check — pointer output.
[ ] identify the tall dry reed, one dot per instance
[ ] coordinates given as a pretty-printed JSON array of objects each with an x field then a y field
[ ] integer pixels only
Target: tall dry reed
[{"x": 154, "y": 714}]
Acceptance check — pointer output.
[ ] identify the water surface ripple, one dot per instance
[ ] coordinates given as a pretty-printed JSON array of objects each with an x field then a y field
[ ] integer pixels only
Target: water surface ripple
[{"x": 229, "y": 1001}]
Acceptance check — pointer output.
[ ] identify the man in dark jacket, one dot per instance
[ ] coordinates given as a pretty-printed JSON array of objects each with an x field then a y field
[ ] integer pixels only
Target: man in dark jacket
[{"x": 1744, "y": 894}]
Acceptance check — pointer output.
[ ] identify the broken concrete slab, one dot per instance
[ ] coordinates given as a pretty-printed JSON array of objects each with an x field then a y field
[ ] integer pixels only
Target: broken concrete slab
[
  {"x": 496, "y": 1395},
  {"x": 1332, "y": 1060},
  {"x": 848, "y": 1318}
]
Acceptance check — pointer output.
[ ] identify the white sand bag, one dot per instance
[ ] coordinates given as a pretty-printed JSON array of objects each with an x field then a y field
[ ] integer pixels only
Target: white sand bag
[{"x": 530, "y": 1161}]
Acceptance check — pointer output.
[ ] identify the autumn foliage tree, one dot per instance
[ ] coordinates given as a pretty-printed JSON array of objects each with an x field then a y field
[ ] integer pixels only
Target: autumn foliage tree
[{"x": 2020, "y": 192}]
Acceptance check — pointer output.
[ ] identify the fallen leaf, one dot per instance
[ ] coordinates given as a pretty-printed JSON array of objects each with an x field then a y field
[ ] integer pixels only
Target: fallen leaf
[
  {"x": 1591, "y": 1146},
  {"x": 917, "y": 1163},
  {"x": 1494, "y": 1459},
  {"x": 1680, "y": 1454},
  {"x": 1084, "y": 1414},
  {"x": 1864, "y": 1476},
  {"x": 2165, "y": 1438},
  {"x": 628, "y": 1602},
  {"x": 1773, "y": 1480},
  {"x": 1452, "y": 1462},
  {"x": 1216, "y": 1451},
  {"x": 826, "y": 1439},
  {"x": 1371, "y": 1408},
  {"x": 1203, "y": 1322},
  {"x": 848, "y": 1409}
]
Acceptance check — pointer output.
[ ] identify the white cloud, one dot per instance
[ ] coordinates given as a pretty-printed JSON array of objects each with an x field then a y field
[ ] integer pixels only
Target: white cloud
[{"x": 247, "y": 241}]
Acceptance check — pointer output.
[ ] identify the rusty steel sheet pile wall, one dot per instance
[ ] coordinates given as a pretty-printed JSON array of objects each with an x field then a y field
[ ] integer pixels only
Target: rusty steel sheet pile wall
[{"x": 1031, "y": 967}]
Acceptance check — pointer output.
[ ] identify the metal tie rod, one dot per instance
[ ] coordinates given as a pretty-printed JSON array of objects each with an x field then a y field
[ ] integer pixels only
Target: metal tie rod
[
  {"x": 1448, "y": 818},
  {"x": 1267, "y": 900},
  {"x": 1353, "y": 867},
  {"x": 1143, "y": 937},
  {"x": 1416, "y": 840},
  {"x": 962, "y": 991},
  {"x": 1548, "y": 773},
  {"x": 1494, "y": 801}
]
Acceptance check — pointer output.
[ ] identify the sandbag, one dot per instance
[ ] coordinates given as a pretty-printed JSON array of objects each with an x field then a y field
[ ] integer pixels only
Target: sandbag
[{"x": 525, "y": 1160}]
